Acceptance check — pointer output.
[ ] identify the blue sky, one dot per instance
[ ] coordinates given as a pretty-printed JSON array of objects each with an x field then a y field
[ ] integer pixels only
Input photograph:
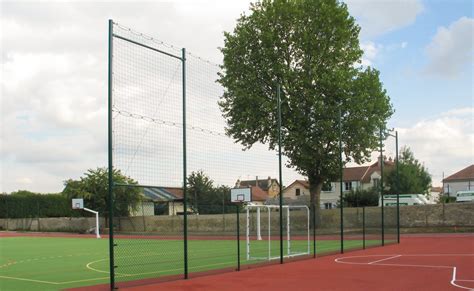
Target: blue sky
[
  {"x": 403, "y": 69},
  {"x": 54, "y": 77}
]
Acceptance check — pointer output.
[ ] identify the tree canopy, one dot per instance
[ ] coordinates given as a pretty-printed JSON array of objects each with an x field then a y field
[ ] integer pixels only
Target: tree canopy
[
  {"x": 206, "y": 198},
  {"x": 414, "y": 177},
  {"x": 93, "y": 187},
  {"x": 311, "y": 49}
]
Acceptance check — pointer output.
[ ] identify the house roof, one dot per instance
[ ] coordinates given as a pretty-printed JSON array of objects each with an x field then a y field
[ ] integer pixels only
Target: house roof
[
  {"x": 163, "y": 193},
  {"x": 258, "y": 194},
  {"x": 363, "y": 174},
  {"x": 303, "y": 183},
  {"x": 263, "y": 183},
  {"x": 465, "y": 174}
]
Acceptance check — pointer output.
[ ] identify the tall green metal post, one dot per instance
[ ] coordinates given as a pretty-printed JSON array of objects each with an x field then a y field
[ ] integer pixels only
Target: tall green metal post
[
  {"x": 381, "y": 186},
  {"x": 185, "y": 196},
  {"x": 238, "y": 237},
  {"x": 340, "y": 183},
  {"x": 363, "y": 227},
  {"x": 110, "y": 201},
  {"x": 398, "y": 187},
  {"x": 280, "y": 173}
]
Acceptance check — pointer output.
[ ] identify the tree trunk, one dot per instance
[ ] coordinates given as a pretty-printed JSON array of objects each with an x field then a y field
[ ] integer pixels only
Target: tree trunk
[{"x": 315, "y": 186}]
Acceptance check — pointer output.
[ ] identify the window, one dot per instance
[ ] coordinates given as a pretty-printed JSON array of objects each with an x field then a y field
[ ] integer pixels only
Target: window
[
  {"x": 327, "y": 187},
  {"x": 298, "y": 192},
  {"x": 348, "y": 186},
  {"x": 376, "y": 183},
  {"x": 328, "y": 205}
]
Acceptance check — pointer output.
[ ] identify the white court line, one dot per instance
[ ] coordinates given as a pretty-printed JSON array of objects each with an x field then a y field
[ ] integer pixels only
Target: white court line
[
  {"x": 29, "y": 280},
  {"x": 386, "y": 259},
  {"x": 376, "y": 263}
]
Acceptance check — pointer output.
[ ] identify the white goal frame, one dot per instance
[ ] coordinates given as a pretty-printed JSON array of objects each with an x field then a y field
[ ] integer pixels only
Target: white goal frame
[{"x": 288, "y": 230}]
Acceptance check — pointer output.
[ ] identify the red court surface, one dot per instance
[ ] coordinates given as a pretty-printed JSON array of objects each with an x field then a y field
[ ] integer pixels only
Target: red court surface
[{"x": 421, "y": 262}]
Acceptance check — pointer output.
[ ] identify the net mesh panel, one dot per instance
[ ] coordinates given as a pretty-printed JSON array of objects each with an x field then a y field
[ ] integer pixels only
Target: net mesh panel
[
  {"x": 296, "y": 231},
  {"x": 266, "y": 246},
  {"x": 390, "y": 224},
  {"x": 328, "y": 230},
  {"x": 218, "y": 157},
  {"x": 147, "y": 147},
  {"x": 373, "y": 226},
  {"x": 353, "y": 232}
]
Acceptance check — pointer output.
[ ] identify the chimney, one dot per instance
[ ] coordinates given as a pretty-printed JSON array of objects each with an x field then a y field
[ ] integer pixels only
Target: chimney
[
  {"x": 237, "y": 184},
  {"x": 256, "y": 181}
]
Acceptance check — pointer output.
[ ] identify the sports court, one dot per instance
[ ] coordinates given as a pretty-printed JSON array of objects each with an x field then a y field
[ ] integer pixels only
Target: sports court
[{"x": 62, "y": 261}]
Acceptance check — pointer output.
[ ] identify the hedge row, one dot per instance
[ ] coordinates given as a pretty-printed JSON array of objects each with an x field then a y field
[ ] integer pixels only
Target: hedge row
[{"x": 37, "y": 205}]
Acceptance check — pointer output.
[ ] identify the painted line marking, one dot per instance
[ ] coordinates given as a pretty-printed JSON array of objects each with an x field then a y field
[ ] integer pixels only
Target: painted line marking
[
  {"x": 30, "y": 280},
  {"x": 376, "y": 263},
  {"x": 386, "y": 259}
]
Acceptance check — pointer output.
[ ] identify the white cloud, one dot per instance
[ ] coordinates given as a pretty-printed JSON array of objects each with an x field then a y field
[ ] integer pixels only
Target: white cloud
[
  {"x": 377, "y": 17},
  {"x": 371, "y": 51},
  {"x": 54, "y": 78},
  {"x": 452, "y": 48},
  {"x": 404, "y": 44},
  {"x": 444, "y": 143}
]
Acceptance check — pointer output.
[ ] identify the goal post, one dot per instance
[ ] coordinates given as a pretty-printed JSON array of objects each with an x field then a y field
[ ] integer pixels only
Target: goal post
[{"x": 262, "y": 230}]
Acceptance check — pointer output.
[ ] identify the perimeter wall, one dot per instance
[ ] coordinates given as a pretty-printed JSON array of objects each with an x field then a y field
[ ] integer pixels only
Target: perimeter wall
[{"x": 420, "y": 218}]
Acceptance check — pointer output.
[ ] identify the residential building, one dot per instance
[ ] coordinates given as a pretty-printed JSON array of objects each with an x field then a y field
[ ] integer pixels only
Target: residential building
[
  {"x": 363, "y": 178},
  {"x": 459, "y": 181},
  {"x": 259, "y": 197},
  {"x": 269, "y": 185},
  {"x": 165, "y": 200}
]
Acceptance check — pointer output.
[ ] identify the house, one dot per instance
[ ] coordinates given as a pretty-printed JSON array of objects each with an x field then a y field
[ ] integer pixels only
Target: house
[
  {"x": 165, "y": 200},
  {"x": 269, "y": 185},
  {"x": 259, "y": 196},
  {"x": 353, "y": 178},
  {"x": 459, "y": 181}
]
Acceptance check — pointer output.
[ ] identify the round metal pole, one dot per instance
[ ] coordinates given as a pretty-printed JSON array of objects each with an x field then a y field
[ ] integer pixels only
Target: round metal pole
[
  {"x": 381, "y": 186},
  {"x": 341, "y": 200},
  {"x": 110, "y": 201},
  {"x": 280, "y": 173},
  {"x": 398, "y": 188},
  {"x": 185, "y": 196}
]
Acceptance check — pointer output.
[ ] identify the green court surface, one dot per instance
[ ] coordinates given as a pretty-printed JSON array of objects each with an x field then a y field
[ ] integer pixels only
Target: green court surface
[{"x": 54, "y": 263}]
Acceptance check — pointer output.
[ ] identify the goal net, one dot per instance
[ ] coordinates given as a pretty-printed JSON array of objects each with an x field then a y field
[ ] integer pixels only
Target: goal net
[{"x": 263, "y": 231}]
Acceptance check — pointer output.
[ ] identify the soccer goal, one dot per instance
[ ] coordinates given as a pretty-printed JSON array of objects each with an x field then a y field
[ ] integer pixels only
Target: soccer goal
[{"x": 263, "y": 231}]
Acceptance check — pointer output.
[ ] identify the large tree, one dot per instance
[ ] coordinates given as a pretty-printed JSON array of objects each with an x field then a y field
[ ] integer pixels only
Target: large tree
[
  {"x": 413, "y": 176},
  {"x": 93, "y": 187},
  {"x": 312, "y": 49}
]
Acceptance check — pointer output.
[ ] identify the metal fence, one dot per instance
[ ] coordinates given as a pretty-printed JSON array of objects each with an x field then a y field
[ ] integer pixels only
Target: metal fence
[{"x": 167, "y": 133}]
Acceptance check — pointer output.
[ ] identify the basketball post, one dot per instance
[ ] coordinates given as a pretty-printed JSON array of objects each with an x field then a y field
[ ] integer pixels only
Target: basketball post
[{"x": 78, "y": 203}]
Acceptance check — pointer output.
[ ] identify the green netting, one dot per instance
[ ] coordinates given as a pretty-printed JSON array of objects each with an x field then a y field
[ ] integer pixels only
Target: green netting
[{"x": 184, "y": 166}]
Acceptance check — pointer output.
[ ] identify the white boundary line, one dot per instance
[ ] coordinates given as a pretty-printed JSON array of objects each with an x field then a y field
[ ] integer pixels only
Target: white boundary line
[
  {"x": 386, "y": 259},
  {"x": 377, "y": 263}
]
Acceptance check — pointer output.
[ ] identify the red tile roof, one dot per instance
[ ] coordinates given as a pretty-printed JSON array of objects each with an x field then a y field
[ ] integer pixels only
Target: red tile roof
[
  {"x": 465, "y": 174},
  {"x": 258, "y": 194},
  {"x": 178, "y": 192}
]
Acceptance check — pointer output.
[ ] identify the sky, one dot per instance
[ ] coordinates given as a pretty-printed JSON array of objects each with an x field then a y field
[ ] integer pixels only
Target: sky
[{"x": 54, "y": 77}]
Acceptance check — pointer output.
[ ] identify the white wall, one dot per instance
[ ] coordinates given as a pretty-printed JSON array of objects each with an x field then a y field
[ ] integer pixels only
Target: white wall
[{"x": 454, "y": 187}]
